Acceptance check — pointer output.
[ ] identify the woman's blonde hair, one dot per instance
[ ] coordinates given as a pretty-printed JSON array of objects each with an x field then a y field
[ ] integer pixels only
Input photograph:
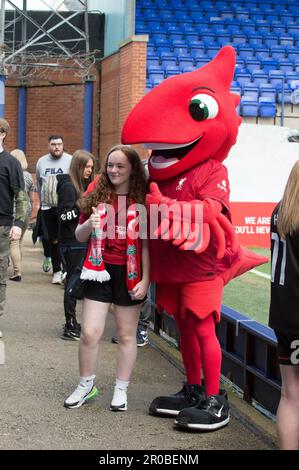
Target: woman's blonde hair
[
  {"x": 20, "y": 155},
  {"x": 288, "y": 213},
  {"x": 104, "y": 190},
  {"x": 78, "y": 163}
]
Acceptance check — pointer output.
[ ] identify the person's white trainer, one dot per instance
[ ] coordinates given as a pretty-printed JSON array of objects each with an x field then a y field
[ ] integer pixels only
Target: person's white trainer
[
  {"x": 119, "y": 401},
  {"x": 57, "y": 278},
  {"x": 81, "y": 395}
]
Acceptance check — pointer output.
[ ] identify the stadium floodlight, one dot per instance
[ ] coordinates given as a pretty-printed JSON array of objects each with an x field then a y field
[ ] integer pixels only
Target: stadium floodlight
[{"x": 74, "y": 5}]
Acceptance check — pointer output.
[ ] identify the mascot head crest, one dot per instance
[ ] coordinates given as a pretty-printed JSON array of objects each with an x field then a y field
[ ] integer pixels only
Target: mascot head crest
[{"x": 187, "y": 118}]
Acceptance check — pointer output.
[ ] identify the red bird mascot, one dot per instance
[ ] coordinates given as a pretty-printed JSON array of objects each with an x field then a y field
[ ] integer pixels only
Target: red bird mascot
[{"x": 189, "y": 121}]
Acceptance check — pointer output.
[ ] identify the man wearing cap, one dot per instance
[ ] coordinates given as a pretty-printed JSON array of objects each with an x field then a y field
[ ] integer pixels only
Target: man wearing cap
[{"x": 11, "y": 189}]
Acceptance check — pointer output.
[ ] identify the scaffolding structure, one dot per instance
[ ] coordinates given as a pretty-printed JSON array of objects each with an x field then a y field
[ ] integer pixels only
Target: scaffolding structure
[{"x": 35, "y": 57}]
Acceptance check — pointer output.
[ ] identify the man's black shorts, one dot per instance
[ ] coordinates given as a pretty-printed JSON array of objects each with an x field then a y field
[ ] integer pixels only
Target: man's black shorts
[
  {"x": 288, "y": 348},
  {"x": 113, "y": 291}
]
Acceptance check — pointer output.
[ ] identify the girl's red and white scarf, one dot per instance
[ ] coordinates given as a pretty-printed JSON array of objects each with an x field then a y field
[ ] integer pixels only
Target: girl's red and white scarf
[{"x": 94, "y": 267}]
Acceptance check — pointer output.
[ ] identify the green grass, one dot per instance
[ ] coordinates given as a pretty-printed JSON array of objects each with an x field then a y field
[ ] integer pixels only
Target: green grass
[{"x": 249, "y": 294}]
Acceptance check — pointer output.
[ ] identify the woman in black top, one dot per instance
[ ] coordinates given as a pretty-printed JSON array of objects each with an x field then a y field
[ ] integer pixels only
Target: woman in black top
[
  {"x": 284, "y": 307},
  {"x": 69, "y": 189}
]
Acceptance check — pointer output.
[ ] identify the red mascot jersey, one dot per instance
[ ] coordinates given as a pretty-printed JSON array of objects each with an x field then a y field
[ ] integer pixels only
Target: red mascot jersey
[{"x": 207, "y": 180}]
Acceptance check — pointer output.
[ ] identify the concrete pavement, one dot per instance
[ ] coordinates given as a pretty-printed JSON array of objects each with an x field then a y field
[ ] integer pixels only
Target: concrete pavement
[{"x": 41, "y": 370}]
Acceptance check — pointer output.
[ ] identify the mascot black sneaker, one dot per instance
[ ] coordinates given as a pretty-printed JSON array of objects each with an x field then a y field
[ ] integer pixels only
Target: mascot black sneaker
[
  {"x": 171, "y": 405},
  {"x": 209, "y": 416}
]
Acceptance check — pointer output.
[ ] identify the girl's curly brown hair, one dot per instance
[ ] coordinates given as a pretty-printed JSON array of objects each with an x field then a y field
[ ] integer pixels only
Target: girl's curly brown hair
[{"x": 104, "y": 190}]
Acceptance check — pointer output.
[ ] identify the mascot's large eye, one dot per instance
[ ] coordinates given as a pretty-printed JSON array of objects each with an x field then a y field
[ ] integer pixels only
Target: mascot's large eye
[{"x": 203, "y": 107}]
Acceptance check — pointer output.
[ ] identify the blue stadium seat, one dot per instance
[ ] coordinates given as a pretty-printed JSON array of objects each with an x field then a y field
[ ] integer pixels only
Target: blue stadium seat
[
  {"x": 276, "y": 78},
  {"x": 248, "y": 28},
  {"x": 250, "y": 89},
  {"x": 271, "y": 40},
  {"x": 179, "y": 43},
  {"x": 270, "y": 14},
  {"x": 152, "y": 60},
  {"x": 150, "y": 49},
  {"x": 278, "y": 52},
  {"x": 187, "y": 68},
  {"x": 293, "y": 29},
  {"x": 278, "y": 27},
  {"x": 294, "y": 84},
  {"x": 267, "y": 90},
  {"x": 175, "y": 36},
  {"x": 255, "y": 39},
  {"x": 148, "y": 86},
  {"x": 185, "y": 61},
  {"x": 195, "y": 43},
  {"x": 290, "y": 76},
  {"x": 172, "y": 70},
  {"x": 155, "y": 69},
  {"x": 155, "y": 79},
  {"x": 236, "y": 90},
  {"x": 245, "y": 52},
  {"x": 223, "y": 36},
  {"x": 267, "y": 107},
  {"x": 156, "y": 37},
  {"x": 142, "y": 30},
  {"x": 191, "y": 37},
  {"x": 208, "y": 38},
  {"x": 259, "y": 77},
  {"x": 165, "y": 55},
  {"x": 249, "y": 106},
  {"x": 242, "y": 77},
  {"x": 285, "y": 65},
  {"x": 239, "y": 39},
  {"x": 198, "y": 51},
  {"x": 181, "y": 51},
  {"x": 286, "y": 40},
  {"x": 262, "y": 52},
  {"x": 187, "y": 29},
  {"x": 191, "y": 4},
  {"x": 200, "y": 62},
  {"x": 269, "y": 64},
  {"x": 169, "y": 62},
  {"x": 253, "y": 64},
  {"x": 256, "y": 14},
  {"x": 166, "y": 14},
  {"x": 292, "y": 54},
  {"x": 287, "y": 18},
  {"x": 263, "y": 26},
  {"x": 241, "y": 12},
  {"x": 212, "y": 51},
  {"x": 162, "y": 42}
]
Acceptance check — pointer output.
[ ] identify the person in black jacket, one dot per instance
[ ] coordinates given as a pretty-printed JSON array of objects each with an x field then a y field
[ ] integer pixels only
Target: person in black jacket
[
  {"x": 69, "y": 189},
  {"x": 284, "y": 307},
  {"x": 11, "y": 222}
]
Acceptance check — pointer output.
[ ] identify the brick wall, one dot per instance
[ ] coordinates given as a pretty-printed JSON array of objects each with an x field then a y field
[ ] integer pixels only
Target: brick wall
[
  {"x": 58, "y": 108},
  {"x": 123, "y": 77},
  {"x": 52, "y": 109}
]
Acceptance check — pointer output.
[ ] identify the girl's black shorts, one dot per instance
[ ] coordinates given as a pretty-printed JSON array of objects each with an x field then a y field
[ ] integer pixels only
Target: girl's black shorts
[{"x": 113, "y": 291}]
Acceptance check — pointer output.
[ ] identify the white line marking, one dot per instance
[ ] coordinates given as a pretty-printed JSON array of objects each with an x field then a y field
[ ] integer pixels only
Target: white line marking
[{"x": 258, "y": 273}]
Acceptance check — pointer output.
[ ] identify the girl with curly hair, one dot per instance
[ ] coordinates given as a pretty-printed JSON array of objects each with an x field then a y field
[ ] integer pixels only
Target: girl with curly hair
[{"x": 116, "y": 269}]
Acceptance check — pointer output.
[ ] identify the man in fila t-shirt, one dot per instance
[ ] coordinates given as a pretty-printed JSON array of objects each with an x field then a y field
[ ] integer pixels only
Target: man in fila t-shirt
[{"x": 56, "y": 162}]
